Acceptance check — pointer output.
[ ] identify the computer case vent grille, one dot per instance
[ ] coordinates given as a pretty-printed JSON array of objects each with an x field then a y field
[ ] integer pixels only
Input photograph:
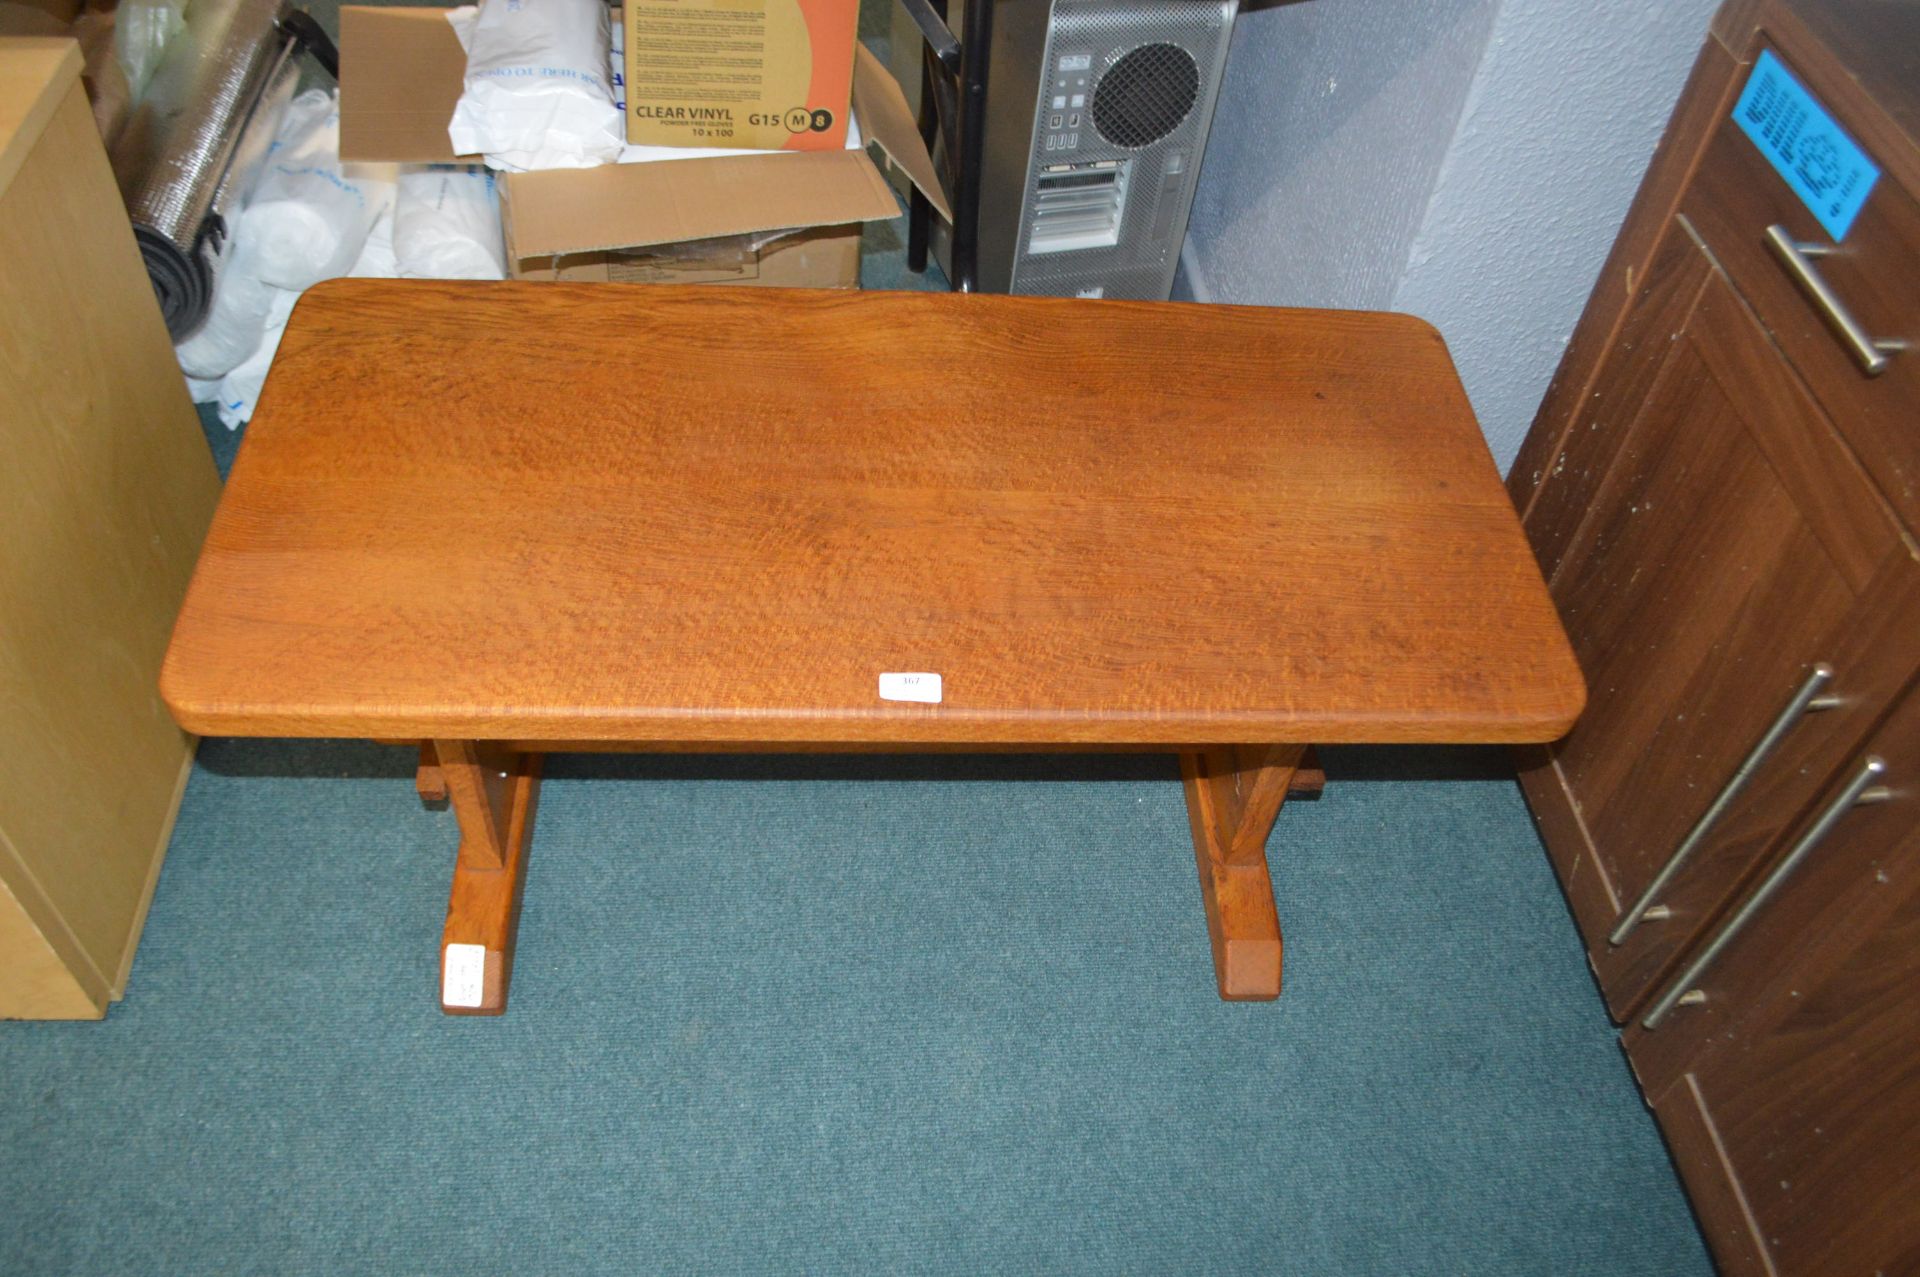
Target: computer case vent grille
[{"x": 1145, "y": 95}]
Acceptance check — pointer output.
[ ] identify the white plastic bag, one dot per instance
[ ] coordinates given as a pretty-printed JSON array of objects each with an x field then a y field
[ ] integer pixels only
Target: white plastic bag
[
  {"x": 235, "y": 322},
  {"x": 142, "y": 30},
  {"x": 446, "y": 225},
  {"x": 236, "y": 393},
  {"x": 240, "y": 389},
  {"x": 536, "y": 93},
  {"x": 307, "y": 215},
  {"x": 376, "y": 255}
]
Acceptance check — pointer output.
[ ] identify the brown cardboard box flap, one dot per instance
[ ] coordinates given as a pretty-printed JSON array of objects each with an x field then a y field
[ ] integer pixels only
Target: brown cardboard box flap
[
  {"x": 885, "y": 119},
  {"x": 631, "y": 205},
  {"x": 817, "y": 257},
  {"x": 400, "y": 77}
]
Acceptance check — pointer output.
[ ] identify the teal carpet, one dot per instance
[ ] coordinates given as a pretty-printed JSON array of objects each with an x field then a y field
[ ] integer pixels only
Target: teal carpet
[{"x": 821, "y": 1015}]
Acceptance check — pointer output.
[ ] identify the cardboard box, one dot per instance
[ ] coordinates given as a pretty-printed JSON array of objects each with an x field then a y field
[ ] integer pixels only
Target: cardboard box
[
  {"x": 815, "y": 257},
  {"x": 400, "y": 74},
  {"x": 763, "y": 74}
]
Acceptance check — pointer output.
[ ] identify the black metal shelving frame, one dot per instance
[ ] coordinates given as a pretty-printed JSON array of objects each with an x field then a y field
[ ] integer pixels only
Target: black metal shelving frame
[{"x": 953, "y": 108}]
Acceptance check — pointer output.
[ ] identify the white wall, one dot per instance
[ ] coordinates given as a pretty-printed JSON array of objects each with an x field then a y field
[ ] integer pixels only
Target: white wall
[
  {"x": 1475, "y": 175},
  {"x": 1333, "y": 120}
]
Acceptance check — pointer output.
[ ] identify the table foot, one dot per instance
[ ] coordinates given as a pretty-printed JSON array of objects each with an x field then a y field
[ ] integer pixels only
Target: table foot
[
  {"x": 427, "y": 780},
  {"x": 493, "y": 793},
  {"x": 1233, "y": 794}
]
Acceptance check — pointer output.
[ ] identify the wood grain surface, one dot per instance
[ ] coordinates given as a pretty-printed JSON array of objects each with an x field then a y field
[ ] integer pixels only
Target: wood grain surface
[
  {"x": 547, "y": 511},
  {"x": 1736, "y": 195},
  {"x": 1233, "y": 796},
  {"x": 1801, "y": 1069},
  {"x": 493, "y": 794},
  {"x": 106, "y": 489},
  {"x": 1734, "y": 544}
]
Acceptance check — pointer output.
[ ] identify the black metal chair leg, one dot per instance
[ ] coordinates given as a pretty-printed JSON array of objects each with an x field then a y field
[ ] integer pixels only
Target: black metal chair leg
[
  {"x": 974, "y": 52},
  {"x": 919, "y": 213}
]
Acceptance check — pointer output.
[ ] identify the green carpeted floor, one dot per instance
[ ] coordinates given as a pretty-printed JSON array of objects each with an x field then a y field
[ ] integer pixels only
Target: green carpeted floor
[{"x": 841, "y": 1015}]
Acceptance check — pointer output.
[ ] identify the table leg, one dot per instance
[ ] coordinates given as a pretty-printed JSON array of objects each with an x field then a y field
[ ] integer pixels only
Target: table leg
[
  {"x": 427, "y": 780},
  {"x": 1233, "y": 794},
  {"x": 492, "y": 792}
]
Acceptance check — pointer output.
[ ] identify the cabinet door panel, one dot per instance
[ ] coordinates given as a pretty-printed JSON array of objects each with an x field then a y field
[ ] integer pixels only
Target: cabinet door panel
[
  {"x": 1801, "y": 1068},
  {"x": 1662, "y": 300},
  {"x": 1736, "y": 195},
  {"x": 1734, "y": 545}
]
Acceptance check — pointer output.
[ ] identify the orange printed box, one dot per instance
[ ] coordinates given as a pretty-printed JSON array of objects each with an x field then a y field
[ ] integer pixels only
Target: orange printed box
[{"x": 767, "y": 75}]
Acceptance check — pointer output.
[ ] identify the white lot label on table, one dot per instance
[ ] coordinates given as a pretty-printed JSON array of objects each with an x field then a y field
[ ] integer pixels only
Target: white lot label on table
[
  {"x": 924, "y": 688},
  {"x": 465, "y": 980}
]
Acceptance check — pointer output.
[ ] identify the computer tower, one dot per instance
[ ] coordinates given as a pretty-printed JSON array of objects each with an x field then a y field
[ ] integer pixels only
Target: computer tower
[{"x": 1095, "y": 122}]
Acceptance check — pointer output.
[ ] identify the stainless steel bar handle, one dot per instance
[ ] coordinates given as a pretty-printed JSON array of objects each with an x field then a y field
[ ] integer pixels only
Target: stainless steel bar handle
[
  {"x": 1862, "y": 789},
  {"x": 1797, "y": 256},
  {"x": 1808, "y": 698}
]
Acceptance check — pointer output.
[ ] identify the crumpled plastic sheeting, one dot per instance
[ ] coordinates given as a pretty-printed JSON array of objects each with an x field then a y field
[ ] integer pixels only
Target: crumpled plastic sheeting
[
  {"x": 446, "y": 225},
  {"x": 536, "y": 94},
  {"x": 308, "y": 214}
]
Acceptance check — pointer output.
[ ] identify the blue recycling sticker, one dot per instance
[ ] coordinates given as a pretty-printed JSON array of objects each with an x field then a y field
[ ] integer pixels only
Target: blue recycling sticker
[{"x": 1825, "y": 168}]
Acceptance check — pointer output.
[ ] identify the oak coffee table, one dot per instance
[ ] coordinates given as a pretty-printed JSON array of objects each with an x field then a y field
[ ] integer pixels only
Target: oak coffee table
[{"x": 507, "y": 519}]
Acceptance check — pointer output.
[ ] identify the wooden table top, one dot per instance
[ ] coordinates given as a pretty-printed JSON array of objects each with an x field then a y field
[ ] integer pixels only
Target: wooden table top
[{"x": 580, "y": 512}]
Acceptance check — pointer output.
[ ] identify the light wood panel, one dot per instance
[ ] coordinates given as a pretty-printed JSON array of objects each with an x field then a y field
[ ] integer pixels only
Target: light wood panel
[
  {"x": 533, "y": 511},
  {"x": 38, "y": 981},
  {"x": 105, "y": 494},
  {"x": 34, "y": 75}
]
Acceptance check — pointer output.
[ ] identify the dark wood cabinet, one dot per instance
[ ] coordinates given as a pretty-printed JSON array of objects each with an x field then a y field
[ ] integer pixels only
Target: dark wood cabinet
[
  {"x": 1731, "y": 551},
  {"x": 1723, "y": 498}
]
